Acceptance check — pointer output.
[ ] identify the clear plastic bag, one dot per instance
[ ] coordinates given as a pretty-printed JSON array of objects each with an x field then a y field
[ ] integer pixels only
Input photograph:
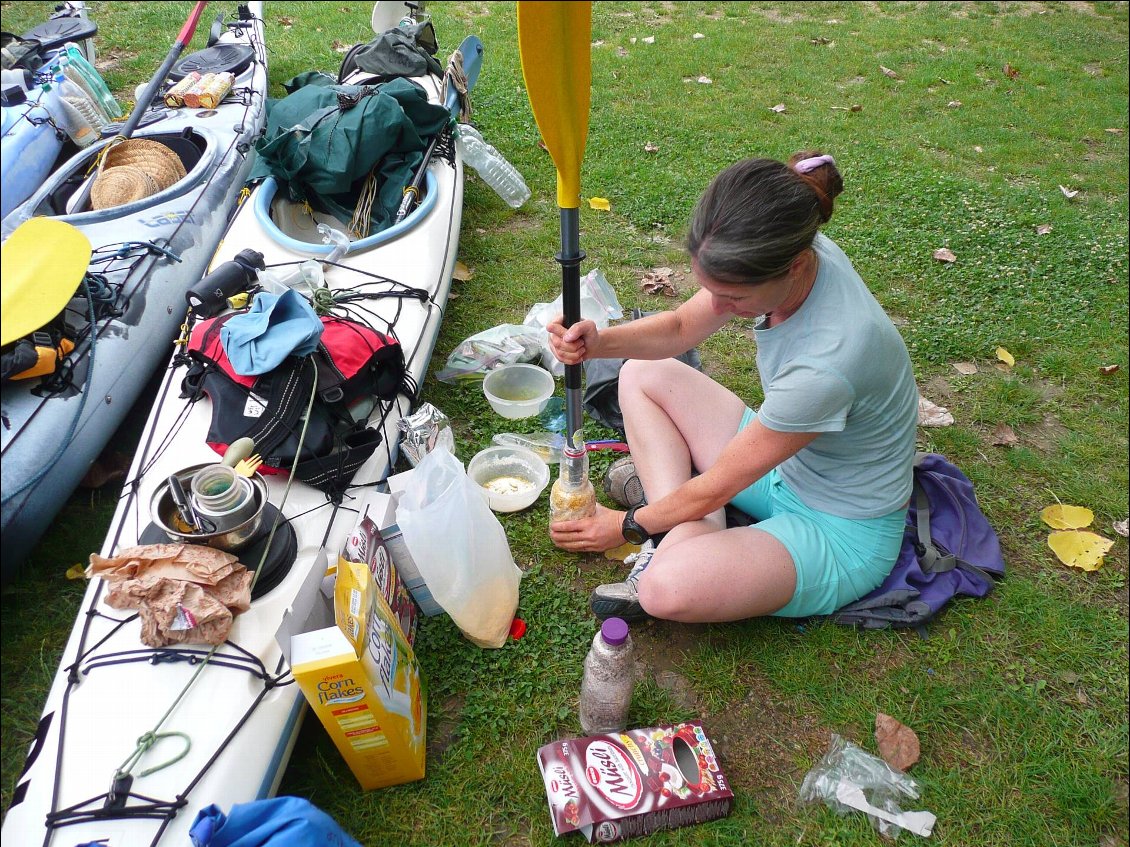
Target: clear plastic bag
[
  {"x": 598, "y": 304},
  {"x": 460, "y": 548},
  {"x": 849, "y": 778},
  {"x": 500, "y": 345}
]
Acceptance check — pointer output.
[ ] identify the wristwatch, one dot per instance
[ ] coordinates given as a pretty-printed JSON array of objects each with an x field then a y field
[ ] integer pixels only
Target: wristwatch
[{"x": 631, "y": 529}]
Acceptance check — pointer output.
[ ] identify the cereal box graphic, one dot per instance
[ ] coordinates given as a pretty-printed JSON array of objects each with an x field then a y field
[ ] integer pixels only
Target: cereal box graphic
[
  {"x": 620, "y": 785},
  {"x": 361, "y": 678}
]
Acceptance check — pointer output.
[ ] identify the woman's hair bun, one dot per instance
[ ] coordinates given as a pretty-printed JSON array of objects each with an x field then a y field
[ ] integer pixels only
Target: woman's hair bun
[{"x": 819, "y": 171}]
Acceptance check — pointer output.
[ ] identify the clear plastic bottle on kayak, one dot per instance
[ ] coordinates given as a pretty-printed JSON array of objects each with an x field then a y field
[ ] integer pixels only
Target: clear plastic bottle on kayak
[
  {"x": 606, "y": 688},
  {"x": 95, "y": 85},
  {"x": 492, "y": 166},
  {"x": 68, "y": 118},
  {"x": 572, "y": 496}
]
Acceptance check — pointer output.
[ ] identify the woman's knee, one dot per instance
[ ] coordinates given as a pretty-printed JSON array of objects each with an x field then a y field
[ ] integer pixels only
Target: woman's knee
[{"x": 661, "y": 597}]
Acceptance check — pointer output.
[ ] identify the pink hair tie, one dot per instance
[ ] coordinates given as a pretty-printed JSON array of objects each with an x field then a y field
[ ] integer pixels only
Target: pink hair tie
[{"x": 806, "y": 165}]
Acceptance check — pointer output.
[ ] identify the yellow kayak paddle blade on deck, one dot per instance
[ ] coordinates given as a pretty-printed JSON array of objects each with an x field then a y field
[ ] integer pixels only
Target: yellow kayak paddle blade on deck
[
  {"x": 555, "y": 44},
  {"x": 43, "y": 262}
]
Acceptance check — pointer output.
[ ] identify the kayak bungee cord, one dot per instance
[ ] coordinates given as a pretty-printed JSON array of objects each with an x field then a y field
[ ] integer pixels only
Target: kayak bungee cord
[{"x": 119, "y": 792}]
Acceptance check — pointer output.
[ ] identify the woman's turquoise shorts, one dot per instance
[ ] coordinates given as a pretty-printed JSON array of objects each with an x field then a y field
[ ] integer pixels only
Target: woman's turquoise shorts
[{"x": 837, "y": 560}]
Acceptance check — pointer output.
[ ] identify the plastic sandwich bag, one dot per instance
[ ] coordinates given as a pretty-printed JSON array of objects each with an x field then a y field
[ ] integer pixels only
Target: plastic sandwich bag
[
  {"x": 460, "y": 548},
  {"x": 492, "y": 348},
  {"x": 849, "y": 778}
]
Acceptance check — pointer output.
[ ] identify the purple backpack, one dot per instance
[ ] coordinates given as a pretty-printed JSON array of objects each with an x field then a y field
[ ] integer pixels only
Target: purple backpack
[{"x": 949, "y": 549}]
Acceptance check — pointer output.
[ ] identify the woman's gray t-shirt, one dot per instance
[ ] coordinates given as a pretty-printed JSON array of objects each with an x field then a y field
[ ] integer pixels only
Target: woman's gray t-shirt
[{"x": 838, "y": 366}]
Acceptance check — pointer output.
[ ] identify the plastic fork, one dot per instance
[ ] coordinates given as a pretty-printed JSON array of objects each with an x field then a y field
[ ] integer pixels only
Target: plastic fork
[{"x": 248, "y": 466}]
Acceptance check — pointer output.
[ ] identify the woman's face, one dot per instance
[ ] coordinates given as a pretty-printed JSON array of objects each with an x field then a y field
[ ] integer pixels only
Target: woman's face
[{"x": 746, "y": 301}]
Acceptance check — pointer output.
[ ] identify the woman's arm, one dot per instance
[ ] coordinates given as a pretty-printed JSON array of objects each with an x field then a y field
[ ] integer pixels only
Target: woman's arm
[
  {"x": 750, "y": 455},
  {"x": 659, "y": 336}
]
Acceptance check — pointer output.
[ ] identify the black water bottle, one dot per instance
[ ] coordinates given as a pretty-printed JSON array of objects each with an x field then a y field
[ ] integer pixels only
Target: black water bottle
[{"x": 209, "y": 296}]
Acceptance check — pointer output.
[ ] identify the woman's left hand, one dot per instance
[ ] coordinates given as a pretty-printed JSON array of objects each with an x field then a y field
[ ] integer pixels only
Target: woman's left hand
[{"x": 603, "y": 531}]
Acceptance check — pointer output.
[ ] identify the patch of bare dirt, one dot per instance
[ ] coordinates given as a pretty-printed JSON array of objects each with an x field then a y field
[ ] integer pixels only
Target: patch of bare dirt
[
  {"x": 766, "y": 745},
  {"x": 445, "y": 728}
]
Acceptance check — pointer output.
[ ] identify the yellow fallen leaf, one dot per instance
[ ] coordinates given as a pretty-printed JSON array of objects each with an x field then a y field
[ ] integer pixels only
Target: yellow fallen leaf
[
  {"x": 76, "y": 571},
  {"x": 600, "y": 203},
  {"x": 1060, "y": 516},
  {"x": 1005, "y": 357},
  {"x": 1078, "y": 549},
  {"x": 462, "y": 272}
]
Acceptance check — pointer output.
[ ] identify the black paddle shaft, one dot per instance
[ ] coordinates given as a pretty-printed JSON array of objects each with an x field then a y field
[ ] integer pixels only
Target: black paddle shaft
[{"x": 570, "y": 259}]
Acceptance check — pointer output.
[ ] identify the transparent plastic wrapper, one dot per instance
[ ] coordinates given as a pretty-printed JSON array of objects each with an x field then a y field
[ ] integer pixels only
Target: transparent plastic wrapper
[
  {"x": 504, "y": 344},
  {"x": 460, "y": 548},
  {"x": 849, "y": 778},
  {"x": 598, "y": 304},
  {"x": 422, "y": 431}
]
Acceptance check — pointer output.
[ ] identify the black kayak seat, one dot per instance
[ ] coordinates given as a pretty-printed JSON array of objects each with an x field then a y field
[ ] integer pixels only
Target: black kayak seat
[
  {"x": 54, "y": 33},
  {"x": 230, "y": 58}
]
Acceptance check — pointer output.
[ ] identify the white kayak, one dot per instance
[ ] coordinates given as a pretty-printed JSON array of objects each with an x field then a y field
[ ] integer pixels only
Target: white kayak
[
  {"x": 241, "y": 709},
  {"x": 146, "y": 254}
]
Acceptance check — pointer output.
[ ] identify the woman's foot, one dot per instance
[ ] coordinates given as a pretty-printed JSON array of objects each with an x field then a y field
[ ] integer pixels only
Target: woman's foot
[{"x": 622, "y": 599}]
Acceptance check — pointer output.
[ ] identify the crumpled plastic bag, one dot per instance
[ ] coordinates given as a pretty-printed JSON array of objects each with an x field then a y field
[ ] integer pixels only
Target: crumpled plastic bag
[
  {"x": 846, "y": 768},
  {"x": 504, "y": 344},
  {"x": 598, "y": 304},
  {"x": 183, "y": 593}
]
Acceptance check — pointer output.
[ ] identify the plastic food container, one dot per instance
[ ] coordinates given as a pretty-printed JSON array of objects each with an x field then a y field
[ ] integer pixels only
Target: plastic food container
[
  {"x": 511, "y": 477},
  {"x": 518, "y": 391}
]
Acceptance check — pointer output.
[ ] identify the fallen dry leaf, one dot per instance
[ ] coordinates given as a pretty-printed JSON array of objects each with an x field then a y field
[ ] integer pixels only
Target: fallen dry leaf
[
  {"x": 1068, "y": 192},
  {"x": 944, "y": 254},
  {"x": 600, "y": 203},
  {"x": 632, "y": 40},
  {"x": 541, "y": 144},
  {"x": 286, "y": 21},
  {"x": 1107, "y": 370},
  {"x": 898, "y": 743},
  {"x": 1005, "y": 357},
  {"x": 705, "y": 80},
  {"x": 1061, "y": 516},
  {"x": 1121, "y": 527},
  {"x": 1113, "y": 130},
  {"x": 621, "y": 51},
  {"x": 977, "y": 148},
  {"x": 954, "y": 104},
  {"x": 462, "y": 272},
  {"x": 651, "y": 147},
  {"x": 930, "y": 414},
  {"x": 1003, "y": 436},
  {"x": 658, "y": 281},
  {"x": 79, "y": 571},
  {"x": 649, "y": 40},
  {"x": 340, "y": 47},
  {"x": 598, "y": 44},
  {"x": 779, "y": 108},
  {"x": 966, "y": 368},
  {"x": 698, "y": 35},
  {"x": 1010, "y": 71},
  {"x": 855, "y": 107},
  {"x": 1079, "y": 549},
  {"x": 822, "y": 41},
  {"x": 1043, "y": 229},
  {"x": 888, "y": 72}
]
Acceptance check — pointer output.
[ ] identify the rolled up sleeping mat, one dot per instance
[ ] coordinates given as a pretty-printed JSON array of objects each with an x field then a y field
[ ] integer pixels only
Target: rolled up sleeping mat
[{"x": 209, "y": 296}]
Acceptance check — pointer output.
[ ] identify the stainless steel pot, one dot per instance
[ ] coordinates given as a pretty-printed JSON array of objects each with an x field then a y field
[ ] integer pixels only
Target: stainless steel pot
[{"x": 163, "y": 510}]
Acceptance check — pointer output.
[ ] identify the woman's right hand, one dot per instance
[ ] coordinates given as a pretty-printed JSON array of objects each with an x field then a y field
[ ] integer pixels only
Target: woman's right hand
[{"x": 573, "y": 345}]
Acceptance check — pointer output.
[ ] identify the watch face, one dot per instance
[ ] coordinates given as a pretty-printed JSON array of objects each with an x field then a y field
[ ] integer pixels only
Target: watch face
[{"x": 631, "y": 530}]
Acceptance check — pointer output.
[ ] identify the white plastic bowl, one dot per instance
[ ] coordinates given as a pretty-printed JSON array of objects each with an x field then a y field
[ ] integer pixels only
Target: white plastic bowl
[
  {"x": 518, "y": 391},
  {"x": 511, "y": 477}
]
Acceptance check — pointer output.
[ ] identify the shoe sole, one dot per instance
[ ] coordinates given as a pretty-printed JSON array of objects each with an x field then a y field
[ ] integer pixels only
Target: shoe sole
[{"x": 628, "y": 610}]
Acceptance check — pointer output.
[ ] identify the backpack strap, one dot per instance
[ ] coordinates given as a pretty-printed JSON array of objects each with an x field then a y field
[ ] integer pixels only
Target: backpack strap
[{"x": 933, "y": 558}]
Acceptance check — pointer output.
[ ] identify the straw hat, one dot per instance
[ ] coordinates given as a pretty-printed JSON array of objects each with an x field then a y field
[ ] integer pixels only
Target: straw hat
[{"x": 132, "y": 169}]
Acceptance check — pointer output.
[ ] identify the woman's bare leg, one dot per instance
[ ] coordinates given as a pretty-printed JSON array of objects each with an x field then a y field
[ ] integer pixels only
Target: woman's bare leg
[{"x": 678, "y": 421}]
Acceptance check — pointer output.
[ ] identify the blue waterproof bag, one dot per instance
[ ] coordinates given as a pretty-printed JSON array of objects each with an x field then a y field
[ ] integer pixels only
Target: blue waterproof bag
[{"x": 949, "y": 549}]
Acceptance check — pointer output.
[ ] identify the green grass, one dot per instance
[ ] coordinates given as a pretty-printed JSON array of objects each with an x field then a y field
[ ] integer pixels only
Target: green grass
[{"x": 1019, "y": 700}]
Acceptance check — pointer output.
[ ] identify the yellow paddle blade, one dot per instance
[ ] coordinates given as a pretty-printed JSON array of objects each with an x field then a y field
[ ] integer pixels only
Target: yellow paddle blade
[
  {"x": 43, "y": 262},
  {"x": 554, "y": 39}
]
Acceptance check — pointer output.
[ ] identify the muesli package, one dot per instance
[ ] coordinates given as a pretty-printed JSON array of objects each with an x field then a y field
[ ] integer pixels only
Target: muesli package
[{"x": 623, "y": 784}]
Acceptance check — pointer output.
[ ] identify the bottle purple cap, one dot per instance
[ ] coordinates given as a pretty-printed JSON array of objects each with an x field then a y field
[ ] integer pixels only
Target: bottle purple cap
[{"x": 614, "y": 631}]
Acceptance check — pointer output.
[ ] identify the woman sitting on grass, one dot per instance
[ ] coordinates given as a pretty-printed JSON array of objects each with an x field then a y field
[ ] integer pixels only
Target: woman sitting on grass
[{"x": 823, "y": 467}]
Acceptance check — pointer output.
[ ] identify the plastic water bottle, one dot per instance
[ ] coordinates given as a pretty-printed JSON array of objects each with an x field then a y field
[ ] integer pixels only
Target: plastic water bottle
[
  {"x": 72, "y": 93},
  {"x": 606, "y": 689},
  {"x": 67, "y": 117},
  {"x": 492, "y": 166},
  {"x": 94, "y": 82},
  {"x": 572, "y": 496}
]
